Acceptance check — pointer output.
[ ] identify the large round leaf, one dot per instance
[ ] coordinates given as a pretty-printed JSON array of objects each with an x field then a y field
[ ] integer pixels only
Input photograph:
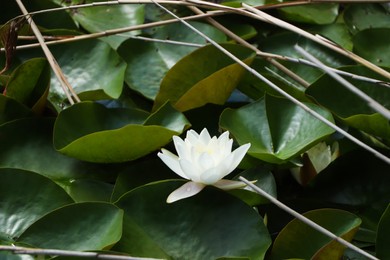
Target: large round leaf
[
  {"x": 116, "y": 134},
  {"x": 283, "y": 44},
  {"x": 383, "y": 239},
  {"x": 205, "y": 76},
  {"x": 209, "y": 225},
  {"x": 373, "y": 45},
  {"x": 357, "y": 179},
  {"x": 29, "y": 82},
  {"x": 148, "y": 62},
  {"x": 360, "y": 114},
  {"x": 24, "y": 197},
  {"x": 93, "y": 69},
  {"x": 317, "y": 14},
  {"x": 102, "y": 18},
  {"x": 28, "y": 144},
  {"x": 298, "y": 240},
  {"x": 359, "y": 17},
  {"x": 11, "y": 109},
  {"x": 82, "y": 226},
  {"x": 276, "y": 128}
]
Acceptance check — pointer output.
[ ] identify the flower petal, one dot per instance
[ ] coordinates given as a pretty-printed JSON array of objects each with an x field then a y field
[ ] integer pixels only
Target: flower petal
[
  {"x": 181, "y": 147},
  {"x": 191, "y": 171},
  {"x": 229, "y": 184},
  {"x": 187, "y": 190},
  {"x": 223, "y": 138},
  {"x": 192, "y": 137},
  {"x": 172, "y": 161},
  {"x": 204, "y": 136},
  {"x": 205, "y": 161},
  {"x": 234, "y": 159},
  {"x": 211, "y": 176}
]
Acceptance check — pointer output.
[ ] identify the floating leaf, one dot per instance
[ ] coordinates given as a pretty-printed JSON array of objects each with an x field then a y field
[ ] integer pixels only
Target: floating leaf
[
  {"x": 81, "y": 226},
  {"x": 114, "y": 135},
  {"x": 360, "y": 114},
  {"x": 283, "y": 44},
  {"x": 148, "y": 62},
  {"x": 382, "y": 239},
  {"x": 10, "y": 109},
  {"x": 29, "y": 83},
  {"x": 93, "y": 69},
  {"x": 315, "y": 14},
  {"x": 141, "y": 173},
  {"x": 28, "y": 144},
  {"x": 24, "y": 197},
  {"x": 298, "y": 240},
  {"x": 102, "y": 18},
  {"x": 277, "y": 129},
  {"x": 359, "y": 17},
  {"x": 363, "y": 185},
  {"x": 373, "y": 45},
  {"x": 201, "y": 227},
  {"x": 205, "y": 76},
  {"x": 83, "y": 190},
  {"x": 263, "y": 179}
]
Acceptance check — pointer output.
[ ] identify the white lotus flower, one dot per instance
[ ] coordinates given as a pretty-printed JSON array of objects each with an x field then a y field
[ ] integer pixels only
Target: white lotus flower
[{"x": 203, "y": 161}]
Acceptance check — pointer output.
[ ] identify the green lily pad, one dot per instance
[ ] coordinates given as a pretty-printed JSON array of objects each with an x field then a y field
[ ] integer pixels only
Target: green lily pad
[
  {"x": 150, "y": 62},
  {"x": 277, "y": 129},
  {"x": 204, "y": 76},
  {"x": 373, "y": 45},
  {"x": 103, "y": 18},
  {"x": 359, "y": 17},
  {"x": 360, "y": 115},
  {"x": 11, "y": 109},
  {"x": 93, "y": 69},
  {"x": 201, "y": 227},
  {"x": 298, "y": 240},
  {"x": 81, "y": 226},
  {"x": 283, "y": 44},
  {"x": 382, "y": 239},
  {"x": 29, "y": 83},
  {"x": 313, "y": 14},
  {"x": 28, "y": 144},
  {"x": 363, "y": 186},
  {"x": 25, "y": 197},
  {"x": 141, "y": 173},
  {"x": 263, "y": 179},
  {"x": 83, "y": 190},
  {"x": 116, "y": 134}
]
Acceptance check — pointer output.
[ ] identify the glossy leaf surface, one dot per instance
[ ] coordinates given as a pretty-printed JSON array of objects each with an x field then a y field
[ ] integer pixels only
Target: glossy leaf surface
[
  {"x": 277, "y": 129},
  {"x": 103, "y": 18},
  {"x": 316, "y": 14},
  {"x": 90, "y": 79},
  {"x": 25, "y": 197},
  {"x": 100, "y": 138},
  {"x": 30, "y": 82},
  {"x": 205, "y": 76},
  {"x": 208, "y": 219},
  {"x": 337, "y": 98},
  {"x": 148, "y": 62},
  {"x": 81, "y": 226},
  {"x": 311, "y": 243}
]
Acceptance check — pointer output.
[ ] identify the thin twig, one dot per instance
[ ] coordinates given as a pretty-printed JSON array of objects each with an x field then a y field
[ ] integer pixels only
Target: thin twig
[
  {"x": 58, "y": 252},
  {"x": 280, "y": 91},
  {"x": 327, "y": 43},
  {"x": 52, "y": 61},
  {"x": 375, "y": 105},
  {"x": 73, "y": 38},
  {"x": 306, "y": 220}
]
